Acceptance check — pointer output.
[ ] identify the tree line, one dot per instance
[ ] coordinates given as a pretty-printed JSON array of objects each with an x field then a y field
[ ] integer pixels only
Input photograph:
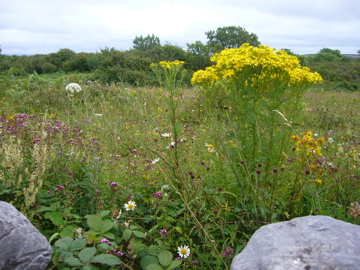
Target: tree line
[{"x": 133, "y": 66}]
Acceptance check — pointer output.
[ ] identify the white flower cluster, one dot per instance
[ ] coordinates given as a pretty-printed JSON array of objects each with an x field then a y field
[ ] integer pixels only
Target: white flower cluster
[{"x": 73, "y": 87}]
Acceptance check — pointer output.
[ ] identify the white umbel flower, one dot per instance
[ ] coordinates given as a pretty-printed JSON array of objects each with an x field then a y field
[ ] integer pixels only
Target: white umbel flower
[
  {"x": 184, "y": 251},
  {"x": 73, "y": 87}
]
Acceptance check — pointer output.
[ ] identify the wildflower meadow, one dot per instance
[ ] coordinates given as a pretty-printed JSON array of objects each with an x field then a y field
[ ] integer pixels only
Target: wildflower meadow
[{"x": 177, "y": 176}]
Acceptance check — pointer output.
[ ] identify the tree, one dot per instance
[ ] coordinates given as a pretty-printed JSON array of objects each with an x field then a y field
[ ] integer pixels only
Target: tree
[
  {"x": 146, "y": 43},
  {"x": 0, "y": 49},
  {"x": 229, "y": 37},
  {"x": 198, "y": 48},
  {"x": 330, "y": 51},
  {"x": 329, "y": 55}
]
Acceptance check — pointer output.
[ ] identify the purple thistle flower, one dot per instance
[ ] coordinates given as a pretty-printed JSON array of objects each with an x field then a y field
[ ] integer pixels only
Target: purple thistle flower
[{"x": 113, "y": 184}]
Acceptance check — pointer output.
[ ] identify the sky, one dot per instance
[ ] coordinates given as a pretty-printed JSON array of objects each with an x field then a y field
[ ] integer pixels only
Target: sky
[{"x": 304, "y": 27}]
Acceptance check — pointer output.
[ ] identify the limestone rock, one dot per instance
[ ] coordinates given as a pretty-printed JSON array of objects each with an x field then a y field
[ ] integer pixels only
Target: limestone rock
[
  {"x": 23, "y": 247},
  {"x": 312, "y": 243}
]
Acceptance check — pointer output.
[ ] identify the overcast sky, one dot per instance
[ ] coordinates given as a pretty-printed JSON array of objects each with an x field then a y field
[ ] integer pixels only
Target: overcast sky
[{"x": 46, "y": 26}]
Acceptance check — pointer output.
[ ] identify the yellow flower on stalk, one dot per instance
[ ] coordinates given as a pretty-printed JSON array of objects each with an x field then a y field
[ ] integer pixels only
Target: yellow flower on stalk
[
  {"x": 170, "y": 65},
  {"x": 257, "y": 66},
  {"x": 318, "y": 181},
  {"x": 321, "y": 140},
  {"x": 308, "y": 144}
]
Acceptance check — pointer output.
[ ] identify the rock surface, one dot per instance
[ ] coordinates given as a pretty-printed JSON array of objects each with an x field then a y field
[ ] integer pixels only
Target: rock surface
[
  {"x": 312, "y": 243},
  {"x": 23, "y": 247}
]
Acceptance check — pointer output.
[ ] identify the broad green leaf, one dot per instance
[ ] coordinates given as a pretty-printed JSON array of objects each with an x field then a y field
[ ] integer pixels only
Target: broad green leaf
[
  {"x": 56, "y": 218},
  {"x": 68, "y": 231},
  {"x": 138, "y": 245},
  {"x": 95, "y": 222},
  {"x": 178, "y": 229},
  {"x": 139, "y": 234},
  {"x": 86, "y": 254},
  {"x": 174, "y": 264},
  {"x": 109, "y": 235},
  {"x": 127, "y": 234},
  {"x": 133, "y": 227},
  {"x": 78, "y": 244},
  {"x": 104, "y": 213},
  {"x": 154, "y": 266},
  {"x": 90, "y": 267},
  {"x": 64, "y": 243},
  {"x": 107, "y": 224},
  {"x": 148, "y": 259},
  {"x": 45, "y": 208},
  {"x": 103, "y": 246},
  {"x": 165, "y": 257},
  {"x": 72, "y": 261},
  {"x": 108, "y": 259}
]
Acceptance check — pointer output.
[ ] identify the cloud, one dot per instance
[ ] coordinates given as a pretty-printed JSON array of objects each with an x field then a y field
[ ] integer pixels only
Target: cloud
[{"x": 42, "y": 26}]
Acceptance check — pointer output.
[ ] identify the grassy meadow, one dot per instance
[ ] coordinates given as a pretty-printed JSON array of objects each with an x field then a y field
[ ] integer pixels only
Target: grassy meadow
[{"x": 122, "y": 177}]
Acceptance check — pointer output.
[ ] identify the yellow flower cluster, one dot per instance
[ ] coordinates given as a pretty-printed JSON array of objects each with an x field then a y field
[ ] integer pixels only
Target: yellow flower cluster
[
  {"x": 308, "y": 143},
  {"x": 169, "y": 65},
  {"x": 256, "y": 62}
]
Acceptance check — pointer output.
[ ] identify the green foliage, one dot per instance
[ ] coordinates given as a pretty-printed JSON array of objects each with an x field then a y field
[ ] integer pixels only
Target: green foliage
[
  {"x": 339, "y": 72},
  {"x": 176, "y": 152},
  {"x": 146, "y": 43},
  {"x": 229, "y": 37}
]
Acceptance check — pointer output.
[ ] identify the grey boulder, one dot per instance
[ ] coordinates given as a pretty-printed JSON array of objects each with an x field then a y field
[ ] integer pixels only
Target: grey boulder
[
  {"x": 23, "y": 247},
  {"x": 312, "y": 242}
]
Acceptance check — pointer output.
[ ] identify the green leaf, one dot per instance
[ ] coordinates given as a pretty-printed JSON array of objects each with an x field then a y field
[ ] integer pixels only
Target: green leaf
[
  {"x": 107, "y": 225},
  {"x": 55, "y": 217},
  {"x": 108, "y": 259},
  {"x": 178, "y": 229},
  {"x": 72, "y": 261},
  {"x": 154, "y": 266},
  {"x": 127, "y": 234},
  {"x": 64, "y": 243},
  {"x": 68, "y": 231},
  {"x": 90, "y": 267},
  {"x": 148, "y": 259},
  {"x": 165, "y": 257},
  {"x": 139, "y": 234},
  {"x": 138, "y": 245},
  {"x": 109, "y": 235},
  {"x": 91, "y": 238},
  {"x": 53, "y": 237},
  {"x": 78, "y": 244},
  {"x": 104, "y": 213},
  {"x": 104, "y": 246},
  {"x": 95, "y": 222},
  {"x": 45, "y": 208},
  {"x": 174, "y": 264},
  {"x": 86, "y": 254}
]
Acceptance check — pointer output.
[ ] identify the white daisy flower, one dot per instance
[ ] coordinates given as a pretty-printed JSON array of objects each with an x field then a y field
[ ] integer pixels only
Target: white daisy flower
[
  {"x": 166, "y": 135},
  {"x": 184, "y": 251},
  {"x": 130, "y": 205}
]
